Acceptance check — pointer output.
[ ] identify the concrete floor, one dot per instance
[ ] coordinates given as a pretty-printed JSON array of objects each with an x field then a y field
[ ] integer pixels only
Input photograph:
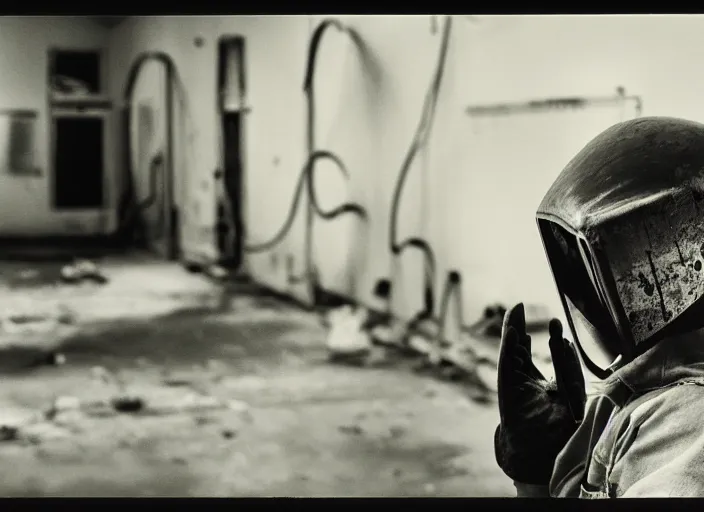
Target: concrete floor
[{"x": 240, "y": 399}]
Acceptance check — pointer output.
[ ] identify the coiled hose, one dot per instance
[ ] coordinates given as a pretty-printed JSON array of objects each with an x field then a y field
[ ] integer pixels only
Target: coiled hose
[
  {"x": 306, "y": 178},
  {"x": 452, "y": 289},
  {"x": 130, "y": 209},
  {"x": 396, "y": 246}
]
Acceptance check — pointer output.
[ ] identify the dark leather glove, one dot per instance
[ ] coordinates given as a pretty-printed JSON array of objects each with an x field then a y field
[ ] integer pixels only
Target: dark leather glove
[{"x": 537, "y": 417}]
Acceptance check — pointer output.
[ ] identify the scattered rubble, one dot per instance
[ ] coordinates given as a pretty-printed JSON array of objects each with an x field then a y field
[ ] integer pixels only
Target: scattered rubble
[
  {"x": 26, "y": 323},
  {"x": 389, "y": 335},
  {"x": 9, "y": 433},
  {"x": 351, "y": 341},
  {"x": 60, "y": 405},
  {"x": 128, "y": 404},
  {"x": 28, "y": 274},
  {"x": 228, "y": 434},
  {"x": 177, "y": 381},
  {"x": 99, "y": 409},
  {"x": 351, "y": 429},
  {"x": 217, "y": 272},
  {"x": 82, "y": 270}
]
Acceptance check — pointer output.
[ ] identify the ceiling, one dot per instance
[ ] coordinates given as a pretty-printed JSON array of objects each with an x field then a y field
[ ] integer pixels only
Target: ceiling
[{"x": 108, "y": 21}]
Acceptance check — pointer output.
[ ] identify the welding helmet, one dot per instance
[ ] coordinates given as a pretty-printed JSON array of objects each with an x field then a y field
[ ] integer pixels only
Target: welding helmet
[{"x": 623, "y": 230}]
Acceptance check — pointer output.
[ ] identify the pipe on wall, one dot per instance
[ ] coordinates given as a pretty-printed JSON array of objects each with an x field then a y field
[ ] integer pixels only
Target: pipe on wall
[
  {"x": 306, "y": 179},
  {"x": 131, "y": 209}
]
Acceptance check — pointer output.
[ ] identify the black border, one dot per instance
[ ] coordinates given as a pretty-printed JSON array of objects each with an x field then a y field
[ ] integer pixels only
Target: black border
[
  {"x": 215, "y": 7},
  {"x": 476, "y": 504},
  {"x": 204, "y": 7}
]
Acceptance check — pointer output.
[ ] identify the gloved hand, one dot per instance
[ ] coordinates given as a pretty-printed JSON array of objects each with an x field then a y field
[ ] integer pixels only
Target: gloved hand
[{"x": 537, "y": 417}]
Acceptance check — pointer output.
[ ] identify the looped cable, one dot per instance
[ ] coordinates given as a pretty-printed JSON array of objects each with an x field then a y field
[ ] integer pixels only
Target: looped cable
[{"x": 420, "y": 138}]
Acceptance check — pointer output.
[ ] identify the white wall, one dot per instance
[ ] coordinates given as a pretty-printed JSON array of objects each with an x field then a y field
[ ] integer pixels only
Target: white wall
[
  {"x": 491, "y": 238},
  {"x": 25, "y": 202},
  {"x": 368, "y": 106},
  {"x": 274, "y": 138}
]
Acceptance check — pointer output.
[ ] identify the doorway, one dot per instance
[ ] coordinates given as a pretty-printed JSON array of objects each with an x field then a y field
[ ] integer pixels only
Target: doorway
[
  {"x": 231, "y": 103},
  {"x": 79, "y": 174}
]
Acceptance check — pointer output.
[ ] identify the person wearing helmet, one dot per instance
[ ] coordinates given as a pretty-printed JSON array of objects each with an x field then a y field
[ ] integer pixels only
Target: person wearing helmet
[{"x": 623, "y": 230}]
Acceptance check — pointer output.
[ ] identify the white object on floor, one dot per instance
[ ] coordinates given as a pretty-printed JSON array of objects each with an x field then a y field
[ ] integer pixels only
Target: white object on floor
[
  {"x": 217, "y": 272},
  {"x": 392, "y": 334},
  {"x": 346, "y": 334}
]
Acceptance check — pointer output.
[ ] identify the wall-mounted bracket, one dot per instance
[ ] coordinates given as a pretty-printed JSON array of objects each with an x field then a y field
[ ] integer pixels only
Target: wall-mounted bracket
[{"x": 535, "y": 106}]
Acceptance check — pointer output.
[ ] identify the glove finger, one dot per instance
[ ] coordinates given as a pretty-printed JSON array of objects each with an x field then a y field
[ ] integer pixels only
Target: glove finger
[
  {"x": 568, "y": 371},
  {"x": 509, "y": 364},
  {"x": 516, "y": 318},
  {"x": 511, "y": 378}
]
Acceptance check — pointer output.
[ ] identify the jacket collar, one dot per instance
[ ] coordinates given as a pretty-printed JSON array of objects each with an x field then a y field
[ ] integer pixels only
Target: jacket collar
[{"x": 671, "y": 360}]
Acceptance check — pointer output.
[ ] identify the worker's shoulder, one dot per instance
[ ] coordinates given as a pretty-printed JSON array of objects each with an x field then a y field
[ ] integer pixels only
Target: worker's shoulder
[{"x": 681, "y": 401}]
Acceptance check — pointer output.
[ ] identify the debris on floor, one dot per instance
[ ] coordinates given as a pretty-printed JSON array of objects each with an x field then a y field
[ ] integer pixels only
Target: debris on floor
[
  {"x": 217, "y": 272},
  {"x": 347, "y": 338},
  {"x": 351, "y": 341},
  {"x": 149, "y": 430},
  {"x": 27, "y": 315},
  {"x": 9, "y": 433},
  {"x": 170, "y": 404},
  {"x": 29, "y": 426},
  {"x": 53, "y": 358},
  {"x": 390, "y": 334},
  {"x": 60, "y": 405},
  {"x": 229, "y": 434},
  {"x": 28, "y": 274},
  {"x": 25, "y": 323},
  {"x": 128, "y": 404},
  {"x": 82, "y": 270},
  {"x": 351, "y": 429}
]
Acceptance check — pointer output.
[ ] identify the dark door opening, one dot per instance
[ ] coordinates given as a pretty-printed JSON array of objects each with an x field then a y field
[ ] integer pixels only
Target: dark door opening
[
  {"x": 78, "y": 163},
  {"x": 231, "y": 85}
]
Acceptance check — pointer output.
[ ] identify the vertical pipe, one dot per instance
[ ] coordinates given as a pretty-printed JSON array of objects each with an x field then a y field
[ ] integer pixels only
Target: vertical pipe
[
  {"x": 309, "y": 275},
  {"x": 171, "y": 210}
]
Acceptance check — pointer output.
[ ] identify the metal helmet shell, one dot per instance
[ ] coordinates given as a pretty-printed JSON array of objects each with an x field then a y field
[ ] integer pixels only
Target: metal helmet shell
[{"x": 623, "y": 230}]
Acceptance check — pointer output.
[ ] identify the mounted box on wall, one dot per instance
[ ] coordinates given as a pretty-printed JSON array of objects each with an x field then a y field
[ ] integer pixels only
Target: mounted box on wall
[
  {"x": 231, "y": 74},
  {"x": 18, "y": 143}
]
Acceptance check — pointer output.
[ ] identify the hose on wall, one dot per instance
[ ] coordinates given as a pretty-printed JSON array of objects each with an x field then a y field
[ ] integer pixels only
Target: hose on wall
[
  {"x": 306, "y": 182},
  {"x": 452, "y": 289},
  {"x": 131, "y": 209},
  {"x": 453, "y": 285}
]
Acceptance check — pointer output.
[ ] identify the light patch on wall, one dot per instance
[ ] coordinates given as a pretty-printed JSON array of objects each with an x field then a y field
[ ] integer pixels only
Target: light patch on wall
[
  {"x": 145, "y": 131},
  {"x": 18, "y": 143}
]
